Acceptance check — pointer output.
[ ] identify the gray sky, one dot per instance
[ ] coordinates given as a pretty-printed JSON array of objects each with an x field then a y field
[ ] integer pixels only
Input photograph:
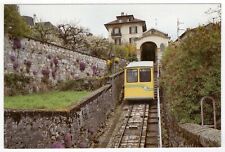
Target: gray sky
[{"x": 95, "y": 16}]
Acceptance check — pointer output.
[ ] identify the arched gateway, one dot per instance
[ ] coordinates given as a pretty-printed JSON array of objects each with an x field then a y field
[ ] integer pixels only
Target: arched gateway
[
  {"x": 148, "y": 51},
  {"x": 151, "y": 45}
]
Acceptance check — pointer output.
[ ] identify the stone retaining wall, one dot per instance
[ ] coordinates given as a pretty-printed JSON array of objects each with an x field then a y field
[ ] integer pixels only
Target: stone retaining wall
[
  {"x": 45, "y": 60},
  {"x": 200, "y": 135},
  {"x": 41, "y": 128}
]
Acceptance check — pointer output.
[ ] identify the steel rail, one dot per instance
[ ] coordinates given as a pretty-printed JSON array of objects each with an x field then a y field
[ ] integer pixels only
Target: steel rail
[
  {"x": 121, "y": 137},
  {"x": 142, "y": 126}
]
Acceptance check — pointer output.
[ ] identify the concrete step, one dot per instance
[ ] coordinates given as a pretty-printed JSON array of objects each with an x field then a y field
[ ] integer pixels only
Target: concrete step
[
  {"x": 153, "y": 142},
  {"x": 152, "y": 134},
  {"x": 152, "y": 122},
  {"x": 151, "y": 145},
  {"x": 152, "y": 129}
]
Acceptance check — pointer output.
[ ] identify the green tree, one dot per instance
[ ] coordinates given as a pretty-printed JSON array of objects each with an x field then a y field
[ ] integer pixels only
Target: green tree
[
  {"x": 98, "y": 46},
  {"x": 125, "y": 51},
  {"x": 14, "y": 25},
  {"x": 130, "y": 50},
  {"x": 73, "y": 36},
  {"x": 44, "y": 31}
]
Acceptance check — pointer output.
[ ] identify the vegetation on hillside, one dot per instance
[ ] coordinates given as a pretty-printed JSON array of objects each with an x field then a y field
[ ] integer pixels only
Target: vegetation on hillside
[{"x": 191, "y": 69}]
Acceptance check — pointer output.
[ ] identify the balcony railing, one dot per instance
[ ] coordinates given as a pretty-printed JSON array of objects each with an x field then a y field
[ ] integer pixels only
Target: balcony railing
[{"x": 116, "y": 34}]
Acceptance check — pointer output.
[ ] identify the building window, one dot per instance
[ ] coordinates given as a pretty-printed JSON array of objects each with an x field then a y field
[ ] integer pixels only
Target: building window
[
  {"x": 132, "y": 40},
  {"x": 133, "y": 30},
  {"x": 116, "y": 30},
  {"x": 118, "y": 41}
]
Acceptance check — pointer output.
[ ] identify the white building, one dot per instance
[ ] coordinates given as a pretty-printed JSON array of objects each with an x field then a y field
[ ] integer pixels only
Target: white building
[{"x": 125, "y": 29}]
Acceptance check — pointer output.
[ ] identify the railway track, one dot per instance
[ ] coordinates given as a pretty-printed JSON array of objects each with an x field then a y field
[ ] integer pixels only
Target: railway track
[
  {"x": 139, "y": 128},
  {"x": 140, "y": 125},
  {"x": 133, "y": 130}
]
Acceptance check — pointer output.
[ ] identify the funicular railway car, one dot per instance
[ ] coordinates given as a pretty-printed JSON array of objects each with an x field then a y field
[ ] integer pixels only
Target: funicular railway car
[{"x": 139, "y": 81}]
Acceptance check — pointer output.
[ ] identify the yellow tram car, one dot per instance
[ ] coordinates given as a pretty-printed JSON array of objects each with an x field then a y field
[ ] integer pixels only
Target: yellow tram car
[{"x": 139, "y": 81}]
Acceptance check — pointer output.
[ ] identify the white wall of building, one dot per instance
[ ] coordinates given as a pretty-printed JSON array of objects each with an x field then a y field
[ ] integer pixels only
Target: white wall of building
[{"x": 124, "y": 29}]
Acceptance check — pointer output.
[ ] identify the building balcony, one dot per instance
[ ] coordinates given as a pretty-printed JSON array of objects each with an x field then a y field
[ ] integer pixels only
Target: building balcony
[{"x": 116, "y": 34}]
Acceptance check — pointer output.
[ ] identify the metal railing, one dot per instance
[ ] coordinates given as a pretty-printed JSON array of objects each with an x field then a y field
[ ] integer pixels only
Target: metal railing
[
  {"x": 116, "y": 34},
  {"x": 214, "y": 111},
  {"x": 158, "y": 106}
]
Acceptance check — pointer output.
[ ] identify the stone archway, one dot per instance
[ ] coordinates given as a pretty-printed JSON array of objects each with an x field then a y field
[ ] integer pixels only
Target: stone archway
[
  {"x": 154, "y": 38},
  {"x": 148, "y": 51}
]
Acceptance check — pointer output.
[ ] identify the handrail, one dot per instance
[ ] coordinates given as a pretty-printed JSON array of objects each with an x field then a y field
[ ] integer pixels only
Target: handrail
[
  {"x": 158, "y": 106},
  {"x": 214, "y": 111},
  {"x": 116, "y": 74}
]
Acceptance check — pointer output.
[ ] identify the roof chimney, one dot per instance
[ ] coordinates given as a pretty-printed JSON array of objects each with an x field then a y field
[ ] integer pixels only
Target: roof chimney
[{"x": 122, "y": 13}]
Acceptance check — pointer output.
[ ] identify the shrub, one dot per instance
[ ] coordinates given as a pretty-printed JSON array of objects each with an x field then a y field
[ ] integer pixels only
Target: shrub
[
  {"x": 15, "y": 65},
  {"x": 16, "y": 83},
  {"x": 12, "y": 58},
  {"x": 34, "y": 72},
  {"x": 45, "y": 72},
  {"x": 16, "y": 43},
  {"x": 191, "y": 70},
  {"x": 82, "y": 84},
  {"x": 51, "y": 64},
  {"x": 28, "y": 63},
  {"x": 49, "y": 56},
  {"x": 94, "y": 69},
  {"x": 53, "y": 74},
  {"x": 82, "y": 66},
  {"x": 55, "y": 61}
]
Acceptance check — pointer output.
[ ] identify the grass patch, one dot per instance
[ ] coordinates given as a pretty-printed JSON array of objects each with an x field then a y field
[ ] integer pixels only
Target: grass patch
[{"x": 56, "y": 100}]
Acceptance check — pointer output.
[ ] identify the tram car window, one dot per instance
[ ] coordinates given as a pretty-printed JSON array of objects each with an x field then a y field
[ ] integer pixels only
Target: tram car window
[
  {"x": 145, "y": 75},
  {"x": 139, "y": 81},
  {"x": 132, "y": 75}
]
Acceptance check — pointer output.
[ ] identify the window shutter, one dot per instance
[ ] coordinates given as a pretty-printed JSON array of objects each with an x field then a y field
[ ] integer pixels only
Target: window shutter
[
  {"x": 130, "y": 30},
  {"x": 136, "y": 29}
]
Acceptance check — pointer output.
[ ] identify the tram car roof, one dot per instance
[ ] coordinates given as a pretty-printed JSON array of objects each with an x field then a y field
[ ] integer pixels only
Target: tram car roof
[{"x": 140, "y": 64}]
